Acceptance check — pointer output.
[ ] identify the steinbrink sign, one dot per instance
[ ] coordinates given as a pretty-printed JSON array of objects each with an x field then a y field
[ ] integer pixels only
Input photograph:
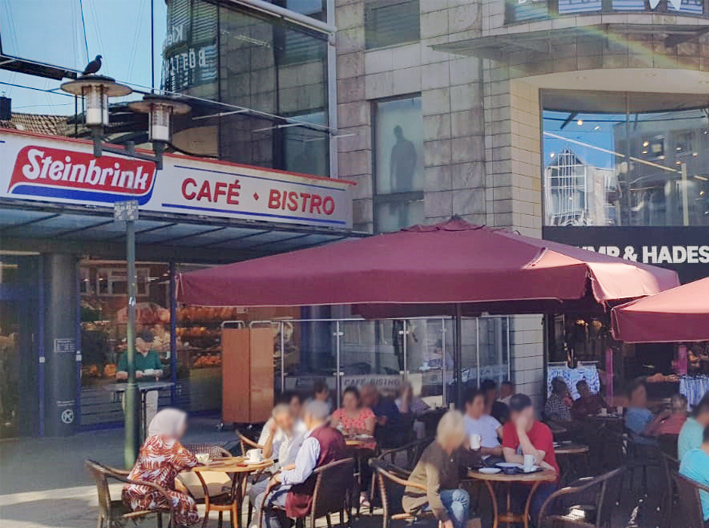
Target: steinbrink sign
[{"x": 60, "y": 170}]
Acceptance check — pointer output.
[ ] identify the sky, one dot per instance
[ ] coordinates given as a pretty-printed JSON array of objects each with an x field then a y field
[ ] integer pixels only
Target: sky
[{"x": 51, "y": 31}]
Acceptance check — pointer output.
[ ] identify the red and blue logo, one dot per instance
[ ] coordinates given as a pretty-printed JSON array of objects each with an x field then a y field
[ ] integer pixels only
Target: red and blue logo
[{"x": 64, "y": 174}]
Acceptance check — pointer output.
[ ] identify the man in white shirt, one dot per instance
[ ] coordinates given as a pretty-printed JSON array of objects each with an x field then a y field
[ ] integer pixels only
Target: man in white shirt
[
  {"x": 479, "y": 423},
  {"x": 281, "y": 438},
  {"x": 321, "y": 445},
  {"x": 280, "y": 433}
]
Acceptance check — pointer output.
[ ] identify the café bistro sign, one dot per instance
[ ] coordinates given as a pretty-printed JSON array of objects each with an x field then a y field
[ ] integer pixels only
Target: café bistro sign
[{"x": 65, "y": 171}]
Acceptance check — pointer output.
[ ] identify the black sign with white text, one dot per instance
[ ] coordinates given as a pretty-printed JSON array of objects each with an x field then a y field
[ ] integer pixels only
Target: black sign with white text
[{"x": 683, "y": 249}]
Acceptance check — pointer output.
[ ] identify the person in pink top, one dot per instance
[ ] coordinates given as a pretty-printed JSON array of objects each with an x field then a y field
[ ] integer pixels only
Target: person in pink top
[
  {"x": 353, "y": 419},
  {"x": 671, "y": 420}
]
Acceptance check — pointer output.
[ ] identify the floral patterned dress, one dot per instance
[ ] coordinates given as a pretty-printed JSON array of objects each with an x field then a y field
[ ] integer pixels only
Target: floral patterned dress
[{"x": 160, "y": 460}]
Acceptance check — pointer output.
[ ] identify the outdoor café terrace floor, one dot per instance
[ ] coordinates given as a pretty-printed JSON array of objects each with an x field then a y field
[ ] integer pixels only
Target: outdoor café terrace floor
[{"x": 43, "y": 482}]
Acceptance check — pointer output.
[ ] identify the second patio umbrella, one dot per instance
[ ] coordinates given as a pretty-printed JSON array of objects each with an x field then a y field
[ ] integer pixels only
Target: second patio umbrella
[{"x": 679, "y": 314}]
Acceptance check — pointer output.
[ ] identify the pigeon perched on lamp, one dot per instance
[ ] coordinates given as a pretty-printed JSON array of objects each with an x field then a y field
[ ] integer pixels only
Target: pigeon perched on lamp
[{"x": 93, "y": 66}]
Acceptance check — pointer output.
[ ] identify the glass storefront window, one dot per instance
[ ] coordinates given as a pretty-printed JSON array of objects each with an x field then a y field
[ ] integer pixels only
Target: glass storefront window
[
  {"x": 398, "y": 137},
  {"x": 638, "y": 161},
  {"x": 104, "y": 321}
]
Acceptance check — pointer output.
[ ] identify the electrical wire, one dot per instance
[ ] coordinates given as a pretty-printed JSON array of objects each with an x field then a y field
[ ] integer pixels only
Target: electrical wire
[{"x": 83, "y": 24}]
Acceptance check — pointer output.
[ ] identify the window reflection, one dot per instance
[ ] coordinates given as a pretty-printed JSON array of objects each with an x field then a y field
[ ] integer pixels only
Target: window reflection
[{"x": 633, "y": 168}]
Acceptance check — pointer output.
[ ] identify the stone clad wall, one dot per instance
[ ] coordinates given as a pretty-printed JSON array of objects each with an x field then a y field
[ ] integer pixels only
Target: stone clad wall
[{"x": 450, "y": 88}]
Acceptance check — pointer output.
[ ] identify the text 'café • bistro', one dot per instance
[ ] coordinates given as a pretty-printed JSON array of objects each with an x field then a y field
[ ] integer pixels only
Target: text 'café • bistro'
[{"x": 63, "y": 274}]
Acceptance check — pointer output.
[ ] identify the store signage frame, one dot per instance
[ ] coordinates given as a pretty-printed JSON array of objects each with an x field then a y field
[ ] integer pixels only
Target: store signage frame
[{"x": 61, "y": 170}]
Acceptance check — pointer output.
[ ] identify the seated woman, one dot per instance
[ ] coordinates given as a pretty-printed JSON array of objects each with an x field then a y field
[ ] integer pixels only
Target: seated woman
[
  {"x": 588, "y": 403},
  {"x": 161, "y": 458},
  {"x": 439, "y": 470},
  {"x": 352, "y": 418},
  {"x": 408, "y": 403},
  {"x": 670, "y": 421}
]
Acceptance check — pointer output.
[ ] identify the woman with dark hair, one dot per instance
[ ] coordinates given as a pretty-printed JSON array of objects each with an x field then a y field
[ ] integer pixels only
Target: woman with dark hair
[{"x": 352, "y": 418}]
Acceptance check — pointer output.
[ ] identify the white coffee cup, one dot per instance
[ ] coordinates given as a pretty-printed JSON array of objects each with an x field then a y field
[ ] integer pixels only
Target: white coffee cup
[
  {"x": 619, "y": 410},
  {"x": 254, "y": 455},
  {"x": 529, "y": 462},
  {"x": 604, "y": 411},
  {"x": 202, "y": 458},
  {"x": 475, "y": 441}
]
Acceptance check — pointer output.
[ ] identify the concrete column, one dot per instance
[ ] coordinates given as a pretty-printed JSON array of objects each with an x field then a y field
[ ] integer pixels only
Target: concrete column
[{"x": 60, "y": 319}]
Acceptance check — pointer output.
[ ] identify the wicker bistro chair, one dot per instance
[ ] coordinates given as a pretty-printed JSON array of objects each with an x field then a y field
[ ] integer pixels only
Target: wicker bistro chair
[
  {"x": 586, "y": 503},
  {"x": 688, "y": 513},
  {"x": 217, "y": 491},
  {"x": 114, "y": 512},
  {"x": 246, "y": 443},
  {"x": 391, "y": 478},
  {"x": 411, "y": 451},
  {"x": 332, "y": 494},
  {"x": 669, "y": 466}
]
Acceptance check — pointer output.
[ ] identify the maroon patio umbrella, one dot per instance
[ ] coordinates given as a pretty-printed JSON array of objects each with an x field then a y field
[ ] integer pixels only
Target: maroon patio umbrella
[
  {"x": 450, "y": 268},
  {"x": 679, "y": 314}
]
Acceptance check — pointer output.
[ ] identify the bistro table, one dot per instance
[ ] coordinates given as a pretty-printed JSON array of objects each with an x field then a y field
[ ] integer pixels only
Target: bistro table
[
  {"x": 239, "y": 470},
  {"x": 565, "y": 452},
  {"x": 361, "y": 446},
  {"x": 144, "y": 387},
  {"x": 509, "y": 517}
]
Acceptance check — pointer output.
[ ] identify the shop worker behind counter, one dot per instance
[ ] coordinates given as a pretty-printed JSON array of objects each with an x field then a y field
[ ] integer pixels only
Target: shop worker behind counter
[{"x": 147, "y": 365}]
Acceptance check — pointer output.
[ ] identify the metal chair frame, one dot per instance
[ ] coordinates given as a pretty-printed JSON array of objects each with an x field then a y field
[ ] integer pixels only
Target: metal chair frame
[
  {"x": 398, "y": 476},
  {"x": 577, "y": 487},
  {"x": 688, "y": 489}
]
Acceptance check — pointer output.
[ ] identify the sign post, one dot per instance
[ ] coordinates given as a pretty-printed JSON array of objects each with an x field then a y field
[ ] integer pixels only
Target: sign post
[{"x": 128, "y": 212}]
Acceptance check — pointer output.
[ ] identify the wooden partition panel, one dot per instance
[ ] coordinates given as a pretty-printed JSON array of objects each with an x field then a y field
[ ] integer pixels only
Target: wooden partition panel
[{"x": 247, "y": 374}]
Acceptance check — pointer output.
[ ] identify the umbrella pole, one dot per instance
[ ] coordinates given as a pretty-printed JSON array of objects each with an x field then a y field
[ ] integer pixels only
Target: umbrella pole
[{"x": 458, "y": 355}]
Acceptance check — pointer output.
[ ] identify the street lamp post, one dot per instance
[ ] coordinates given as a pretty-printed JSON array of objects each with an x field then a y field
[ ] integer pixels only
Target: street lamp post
[
  {"x": 96, "y": 90},
  {"x": 128, "y": 212}
]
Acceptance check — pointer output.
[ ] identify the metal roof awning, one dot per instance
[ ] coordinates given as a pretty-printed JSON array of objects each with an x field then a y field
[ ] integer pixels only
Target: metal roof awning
[
  {"x": 24, "y": 221},
  {"x": 499, "y": 46}
]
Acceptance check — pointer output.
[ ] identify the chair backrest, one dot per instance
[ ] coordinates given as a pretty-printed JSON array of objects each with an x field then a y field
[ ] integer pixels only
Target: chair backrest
[
  {"x": 392, "y": 481},
  {"x": 412, "y": 451},
  {"x": 597, "y": 492},
  {"x": 334, "y": 482},
  {"x": 668, "y": 444},
  {"x": 100, "y": 476},
  {"x": 214, "y": 451},
  {"x": 688, "y": 514},
  {"x": 246, "y": 443}
]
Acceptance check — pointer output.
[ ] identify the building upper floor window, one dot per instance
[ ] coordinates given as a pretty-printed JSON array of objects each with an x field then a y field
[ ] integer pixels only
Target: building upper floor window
[
  {"x": 398, "y": 163},
  {"x": 391, "y": 22}
]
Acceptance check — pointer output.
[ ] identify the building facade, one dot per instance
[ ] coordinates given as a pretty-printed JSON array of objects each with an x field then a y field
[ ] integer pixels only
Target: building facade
[{"x": 476, "y": 109}]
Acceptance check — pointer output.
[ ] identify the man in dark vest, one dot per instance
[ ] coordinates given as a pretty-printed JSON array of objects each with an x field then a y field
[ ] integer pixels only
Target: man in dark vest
[{"x": 292, "y": 489}]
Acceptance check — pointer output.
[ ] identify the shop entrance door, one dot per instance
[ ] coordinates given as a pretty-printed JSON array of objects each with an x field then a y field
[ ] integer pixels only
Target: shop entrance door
[{"x": 20, "y": 379}]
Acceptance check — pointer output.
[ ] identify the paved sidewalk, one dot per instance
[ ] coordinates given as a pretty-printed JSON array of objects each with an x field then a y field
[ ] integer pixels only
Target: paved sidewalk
[{"x": 43, "y": 482}]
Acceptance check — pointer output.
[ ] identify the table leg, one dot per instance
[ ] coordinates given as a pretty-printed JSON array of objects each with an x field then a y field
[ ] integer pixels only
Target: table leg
[
  {"x": 509, "y": 503},
  {"x": 239, "y": 495},
  {"x": 491, "y": 490},
  {"x": 529, "y": 503},
  {"x": 144, "y": 408}
]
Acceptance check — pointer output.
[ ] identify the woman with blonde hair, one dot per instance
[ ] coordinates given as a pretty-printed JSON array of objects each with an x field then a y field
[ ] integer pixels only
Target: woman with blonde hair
[
  {"x": 439, "y": 470},
  {"x": 162, "y": 457}
]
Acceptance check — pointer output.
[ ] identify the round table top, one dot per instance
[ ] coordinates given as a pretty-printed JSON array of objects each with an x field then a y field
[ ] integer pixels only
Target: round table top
[
  {"x": 571, "y": 449},
  {"x": 233, "y": 465},
  {"x": 546, "y": 475},
  {"x": 357, "y": 442}
]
